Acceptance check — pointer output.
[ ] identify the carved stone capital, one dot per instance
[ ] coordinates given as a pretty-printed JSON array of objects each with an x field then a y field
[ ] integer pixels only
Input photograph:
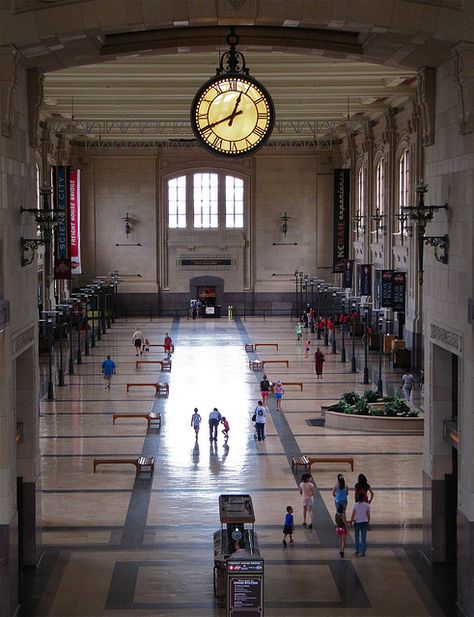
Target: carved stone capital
[
  {"x": 8, "y": 77},
  {"x": 425, "y": 103},
  {"x": 464, "y": 81},
  {"x": 34, "y": 80}
]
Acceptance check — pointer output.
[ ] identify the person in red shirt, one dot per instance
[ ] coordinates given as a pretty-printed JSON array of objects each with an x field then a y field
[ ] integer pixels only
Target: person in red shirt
[{"x": 167, "y": 343}]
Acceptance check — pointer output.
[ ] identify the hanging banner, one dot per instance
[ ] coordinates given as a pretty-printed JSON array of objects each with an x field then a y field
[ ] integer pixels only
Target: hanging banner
[
  {"x": 62, "y": 255},
  {"x": 341, "y": 218},
  {"x": 365, "y": 279},
  {"x": 75, "y": 219},
  {"x": 386, "y": 296},
  {"x": 399, "y": 291},
  {"x": 347, "y": 273}
]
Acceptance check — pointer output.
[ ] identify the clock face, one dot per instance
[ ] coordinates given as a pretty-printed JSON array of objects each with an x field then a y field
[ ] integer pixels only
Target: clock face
[{"x": 232, "y": 115}]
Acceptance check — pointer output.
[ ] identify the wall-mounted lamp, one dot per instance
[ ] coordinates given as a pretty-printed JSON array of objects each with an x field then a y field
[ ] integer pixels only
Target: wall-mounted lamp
[
  {"x": 284, "y": 227},
  {"x": 405, "y": 228},
  {"x": 378, "y": 220},
  {"x": 422, "y": 215},
  {"x": 127, "y": 219},
  {"x": 359, "y": 224},
  {"x": 46, "y": 219}
]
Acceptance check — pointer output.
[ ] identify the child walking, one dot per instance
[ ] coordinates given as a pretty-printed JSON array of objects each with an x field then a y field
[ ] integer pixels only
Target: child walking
[
  {"x": 146, "y": 348},
  {"x": 341, "y": 528},
  {"x": 196, "y": 421},
  {"x": 226, "y": 430},
  {"x": 307, "y": 348},
  {"x": 289, "y": 525}
]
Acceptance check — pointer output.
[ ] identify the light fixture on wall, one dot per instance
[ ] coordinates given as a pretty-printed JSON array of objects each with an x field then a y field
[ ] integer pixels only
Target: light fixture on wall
[
  {"x": 359, "y": 219},
  {"x": 378, "y": 220},
  {"x": 46, "y": 218},
  {"x": 405, "y": 228},
  {"x": 284, "y": 227},
  {"x": 127, "y": 219},
  {"x": 422, "y": 215}
]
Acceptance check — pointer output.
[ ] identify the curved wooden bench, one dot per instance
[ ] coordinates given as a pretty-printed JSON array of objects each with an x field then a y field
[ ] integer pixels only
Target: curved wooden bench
[
  {"x": 293, "y": 383},
  {"x": 266, "y": 345},
  {"x": 144, "y": 385},
  {"x": 307, "y": 461},
  {"x": 275, "y": 362},
  {"x": 141, "y": 462},
  {"x": 151, "y": 417}
]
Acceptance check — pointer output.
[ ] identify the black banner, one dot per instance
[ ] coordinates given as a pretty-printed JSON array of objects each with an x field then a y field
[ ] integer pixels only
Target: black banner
[
  {"x": 347, "y": 273},
  {"x": 399, "y": 291},
  {"x": 62, "y": 247},
  {"x": 365, "y": 279},
  {"x": 386, "y": 296},
  {"x": 341, "y": 218}
]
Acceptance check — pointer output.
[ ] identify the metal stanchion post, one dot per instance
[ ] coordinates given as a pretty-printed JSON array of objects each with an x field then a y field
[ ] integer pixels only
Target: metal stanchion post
[
  {"x": 61, "y": 370},
  {"x": 354, "y": 363},
  {"x": 379, "y": 381}
]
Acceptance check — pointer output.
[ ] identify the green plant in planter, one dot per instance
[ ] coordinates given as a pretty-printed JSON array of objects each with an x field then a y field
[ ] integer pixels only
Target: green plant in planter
[
  {"x": 377, "y": 411},
  {"x": 412, "y": 413},
  {"x": 361, "y": 408},
  {"x": 396, "y": 407},
  {"x": 371, "y": 396},
  {"x": 350, "y": 397},
  {"x": 345, "y": 408}
]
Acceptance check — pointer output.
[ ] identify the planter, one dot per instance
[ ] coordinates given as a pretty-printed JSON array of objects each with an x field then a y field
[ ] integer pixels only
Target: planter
[{"x": 334, "y": 419}]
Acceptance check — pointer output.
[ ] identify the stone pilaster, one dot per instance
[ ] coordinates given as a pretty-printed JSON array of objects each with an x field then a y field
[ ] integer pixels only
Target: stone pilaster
[
  {"x": 465, "y": 564},
  {"x": 8, "y": 79},
  {"x": 464, "y": 80},
  {"x": 34, "y": 81}
]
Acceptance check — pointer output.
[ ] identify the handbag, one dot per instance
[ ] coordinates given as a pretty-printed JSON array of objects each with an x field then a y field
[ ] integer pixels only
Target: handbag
[{"x": 254, "y": 417}]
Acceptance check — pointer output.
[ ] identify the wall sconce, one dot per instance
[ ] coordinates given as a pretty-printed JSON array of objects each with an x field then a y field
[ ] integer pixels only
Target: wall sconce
[
  {"x": 284, "y": 227},
  {"x": 359, "y": 224},
  {"x": 128, "y": 224},
  {"x": 379, "y": 226},
  {"x": 46, "y": 219},
  {"x": 405, "y": 229},
  {"x": 422, "y": 215}
]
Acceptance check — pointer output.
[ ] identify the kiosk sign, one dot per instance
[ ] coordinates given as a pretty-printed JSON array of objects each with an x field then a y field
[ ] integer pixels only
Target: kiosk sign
[{"x": 245, "y": 590}]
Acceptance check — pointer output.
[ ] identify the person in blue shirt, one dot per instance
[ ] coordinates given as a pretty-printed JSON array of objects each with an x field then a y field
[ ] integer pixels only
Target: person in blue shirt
[
  {"x": 289, "y": 525},
  {"x": 108, "y": 369}
]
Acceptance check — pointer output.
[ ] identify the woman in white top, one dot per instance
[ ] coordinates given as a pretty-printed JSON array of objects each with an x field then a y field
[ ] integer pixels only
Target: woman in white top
[
  {"x": 407, "y": 385},
  {"x": 360, "y": 519},
  {"x": 306, "y": 489}
]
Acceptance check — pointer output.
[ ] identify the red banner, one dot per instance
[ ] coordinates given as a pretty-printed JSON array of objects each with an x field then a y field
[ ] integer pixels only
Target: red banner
[{"x": 75, "y": 219}]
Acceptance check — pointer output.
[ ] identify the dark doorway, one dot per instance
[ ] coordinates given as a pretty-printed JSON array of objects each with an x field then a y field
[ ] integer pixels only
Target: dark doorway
[{"x": 207, "y": 294}]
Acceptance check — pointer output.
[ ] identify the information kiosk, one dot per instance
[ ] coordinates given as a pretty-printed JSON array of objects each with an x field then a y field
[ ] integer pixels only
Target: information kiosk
[{"x": 238, "y": 567}]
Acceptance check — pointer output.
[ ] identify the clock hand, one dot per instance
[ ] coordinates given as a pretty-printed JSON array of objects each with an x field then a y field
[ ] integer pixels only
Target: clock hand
[
  {"x": 232, "y": 115},
  {"x": 234, "y": 112}
]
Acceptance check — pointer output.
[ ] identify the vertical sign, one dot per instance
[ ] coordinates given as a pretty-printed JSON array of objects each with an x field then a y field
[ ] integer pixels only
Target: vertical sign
[
  {"x": 365, "y": 279},
  {"x": 386, "y": 299},
  {"x": 347, "y": 273},
  {"x": 75, "y": 219},
  {"x": 399, "y": 291},
  {"x": 62, "y": 256},
  {"x": 341, "y": 219}
]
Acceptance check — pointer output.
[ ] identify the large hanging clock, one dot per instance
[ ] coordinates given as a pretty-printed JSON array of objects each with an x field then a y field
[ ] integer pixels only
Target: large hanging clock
[{"x": 232, "y": 114}]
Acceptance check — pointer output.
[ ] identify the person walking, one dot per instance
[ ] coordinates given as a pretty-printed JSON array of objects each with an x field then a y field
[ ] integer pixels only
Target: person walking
[
  {"x": 340, "y": 493},
  {"x": 260, "y": 415},
  {"x": 307, "y": 348},
  {"x": 108, "y": 369},
  {"x": 341, "y": 528},
  {"x": 279, "y": 392},
  {"x": 318, "y": 363},
  {"x": 299, "y": 331},
  {"x": 265, "y": 386},
  {"x": 360, "y": 519},
  {"x": 407, "y": 385},
  {"x": 226, "y": 429},
  {"x": 137, "y": 341},
  {"x": 289, "y": 526},
  {"x": 306, "y": 489},
  {"x": 146, "y": 348},
  {"x": 196, "y": 421},
  {"x": 167, "y": 344},
  {"x": 214, "y": 419},
  {"x": 362, "y": 487}
]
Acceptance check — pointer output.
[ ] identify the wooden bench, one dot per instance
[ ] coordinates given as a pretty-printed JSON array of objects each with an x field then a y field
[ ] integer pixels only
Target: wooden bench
[
  {"x": 161, "y": 345},
  {"x": 293, "y": 383},
  {"x": 255, "y": 365},
  {"x": 266, "y": 345},
  {"x": 248, "y": 347},
  {"x": 144, "y": 385},
  {"x": 275, "y": 362},
  {"x": 164, "y": 364},
  {"x": 151, "y": 417},
  {"x": 141, "y": 462},
  {"x": 307, "y": 461}
]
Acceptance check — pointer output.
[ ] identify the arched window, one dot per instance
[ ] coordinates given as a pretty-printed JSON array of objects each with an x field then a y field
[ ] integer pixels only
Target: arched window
[
  {"x": 379, "y": 188},
  {"x": 211, "y": 200},
  {"x": 403, "y": 186},
  {"x": 360, "y": 215}
]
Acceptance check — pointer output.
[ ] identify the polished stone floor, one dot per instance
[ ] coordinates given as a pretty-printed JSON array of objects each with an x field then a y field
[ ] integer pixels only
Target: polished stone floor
[{"x": 117, "y": 546}]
